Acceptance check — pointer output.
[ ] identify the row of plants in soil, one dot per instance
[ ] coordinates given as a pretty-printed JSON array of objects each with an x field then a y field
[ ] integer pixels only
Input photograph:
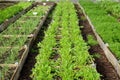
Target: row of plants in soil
[
  {"x": 107, "y": 26},
  {"x": 15, "y": 36},
  {"x": 12, "y": 10},
  {"x": 63, "y": 54}
]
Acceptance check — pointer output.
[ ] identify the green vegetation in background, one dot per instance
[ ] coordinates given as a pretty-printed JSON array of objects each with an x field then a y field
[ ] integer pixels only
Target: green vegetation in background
[
  {"x": 107, "y": 26},
  {"x": 12, "y": 10}
]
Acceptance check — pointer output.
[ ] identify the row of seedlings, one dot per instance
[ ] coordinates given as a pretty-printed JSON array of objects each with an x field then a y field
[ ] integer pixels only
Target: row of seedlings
[
  {"x": 63, "y": 52},
  {"x": 15, "y": 36}
]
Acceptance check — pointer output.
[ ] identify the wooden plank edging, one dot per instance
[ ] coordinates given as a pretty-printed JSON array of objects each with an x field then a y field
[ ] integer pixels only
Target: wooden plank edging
[
  {"x": 111, "y": 58},
  {"x": 8, "y": 65},
  {"x": 7, "y": 36}
]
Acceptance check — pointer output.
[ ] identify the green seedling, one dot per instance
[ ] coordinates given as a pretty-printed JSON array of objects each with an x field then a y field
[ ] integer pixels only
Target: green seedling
[{"x": 91, "y": 41}]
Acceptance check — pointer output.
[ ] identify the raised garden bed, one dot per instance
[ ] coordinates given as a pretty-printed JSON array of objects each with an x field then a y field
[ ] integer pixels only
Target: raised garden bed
[
  {"x": 22, "y": 54},
  {"x": 34, "y": 50}
]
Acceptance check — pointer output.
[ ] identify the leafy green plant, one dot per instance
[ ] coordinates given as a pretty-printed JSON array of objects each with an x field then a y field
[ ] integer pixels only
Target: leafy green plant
[
  {"x": 96, "y": 55},
  {"x": 83, "y": 18},
  {"x": 91, "y": 41}
]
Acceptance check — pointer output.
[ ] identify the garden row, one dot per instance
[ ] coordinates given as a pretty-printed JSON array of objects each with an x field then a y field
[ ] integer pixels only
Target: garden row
[
  {"x": 16, "y": 39},
  {"x": 63, "y": 52}
]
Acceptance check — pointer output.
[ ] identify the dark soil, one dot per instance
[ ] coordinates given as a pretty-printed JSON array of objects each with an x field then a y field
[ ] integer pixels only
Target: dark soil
[
  {"x": 34, "y": 51},
  {"x": 55, "y": 56},
  {"x": 104, "y": 67}
]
